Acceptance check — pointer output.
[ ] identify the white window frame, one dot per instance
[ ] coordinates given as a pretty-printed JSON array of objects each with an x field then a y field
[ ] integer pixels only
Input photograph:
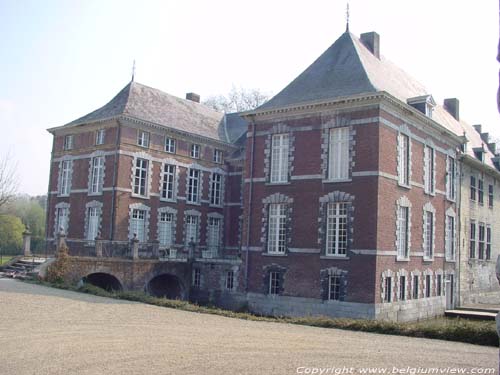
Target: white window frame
[
  {"x": 451, "y": 178},
  {"x": 338, "y": 154},
  {"x": 480, "y": 191},
  {"x": 192, "y": 228},
  {"x": 334, "y": 287},
  {"x": 337, "y": 229},
  {"x": 169, "y": 174},
  {"x": 450, "y": 237},
  {"x": 138, "y": 224},
  {"x": 279, "y": 158},
  {"x": 274, "y": 283},
  {"x": 487, "y": 254},
  {"x": 403, "y": 231},
  {"x": 93, "y": 219},
  {"x": 62, "y": 219},
  {"x": 166, "y": 229},
  {"x": 97, "y": 175},
  {"x": 214, "y": 235},
  {"x": 429, "y": 232},
  {"x": 429, "y": 170},
  {"x": 473, "y": 188},
  {"x": 277, "y": 218},
  {"x": 68, "y": 142},
  {"x": 404, "y": 159},
  {"x": 481, "y": 241},
  {"x": 195, "y": 151},
  {"x": 218, "y": 156},
  {"x": 193, "y": 186},
  {"x": 100, "y": 136},
  {"x": 170, "y": 145},
  {"x": 65, "y": 176},
  {"x": 143, "y": 138},
  {"x": 216, "y": 189},
  {"x": 473, "y": 239},
  {"x": 491, "y": 195},
  {"x": 141, "y": 177},
  {"x": 388, "y": 292}
]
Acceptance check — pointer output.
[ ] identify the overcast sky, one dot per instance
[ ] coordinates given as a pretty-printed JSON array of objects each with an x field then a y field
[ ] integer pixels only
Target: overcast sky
[{"x": 63, "y": 59}]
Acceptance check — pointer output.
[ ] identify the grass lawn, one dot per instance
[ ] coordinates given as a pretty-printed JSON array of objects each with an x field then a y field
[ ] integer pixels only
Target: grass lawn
[{"x": 5, "y": 259}]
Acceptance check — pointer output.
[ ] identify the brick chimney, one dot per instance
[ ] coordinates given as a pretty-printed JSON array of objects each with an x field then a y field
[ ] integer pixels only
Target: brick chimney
[
  {"x": 371, "y": 41},
  {"x": 193, "y": 97},
  {"x": 452, "y": 105}
]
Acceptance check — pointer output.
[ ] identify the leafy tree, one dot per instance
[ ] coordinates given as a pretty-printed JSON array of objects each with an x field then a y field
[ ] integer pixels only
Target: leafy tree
[
  {"x": 8, "y": 180},
  {"x": 11, "y": 234},
  {"x": 237, "y": 100}
]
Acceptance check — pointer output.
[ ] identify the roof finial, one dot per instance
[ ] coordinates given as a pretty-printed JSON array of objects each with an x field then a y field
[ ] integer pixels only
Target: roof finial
[
  {"x": 133, "y": 71},
  {"x": 347, "y": 18}
]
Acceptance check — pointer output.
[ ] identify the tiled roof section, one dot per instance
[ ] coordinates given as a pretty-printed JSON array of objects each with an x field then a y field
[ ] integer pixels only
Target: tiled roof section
[
  {"x": 234, "y": 127},
  {"x": 151, "y": 105}
]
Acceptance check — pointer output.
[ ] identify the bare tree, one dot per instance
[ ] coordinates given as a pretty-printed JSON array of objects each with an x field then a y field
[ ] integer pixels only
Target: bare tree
[
  {"x": 8, "y": 180},
  {"x": 237, "y": 100}
]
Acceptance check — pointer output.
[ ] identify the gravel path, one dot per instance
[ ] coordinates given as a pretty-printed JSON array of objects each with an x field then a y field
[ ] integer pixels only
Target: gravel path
[{"x": 51, "y": 331}]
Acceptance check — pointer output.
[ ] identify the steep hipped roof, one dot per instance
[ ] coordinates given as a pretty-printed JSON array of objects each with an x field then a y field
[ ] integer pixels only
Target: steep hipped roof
[
  {"x": 348, "y": 68},
  {"x": 151, "y": 105}
]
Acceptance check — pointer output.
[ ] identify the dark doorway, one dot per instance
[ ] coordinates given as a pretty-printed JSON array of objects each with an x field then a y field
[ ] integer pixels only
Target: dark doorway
[
  {"x": 165, "y": 285},
  {"x": 104, "y": 281}
]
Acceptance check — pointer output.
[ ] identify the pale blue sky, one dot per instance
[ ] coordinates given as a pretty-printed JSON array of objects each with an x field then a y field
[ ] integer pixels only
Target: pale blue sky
[{"x": 63, "y": 59}]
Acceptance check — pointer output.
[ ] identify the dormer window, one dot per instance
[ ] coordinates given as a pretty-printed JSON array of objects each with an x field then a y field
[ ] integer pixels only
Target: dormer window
[
  {"x": 424, "y": 104},
  {"x": 479, "y": 153}
]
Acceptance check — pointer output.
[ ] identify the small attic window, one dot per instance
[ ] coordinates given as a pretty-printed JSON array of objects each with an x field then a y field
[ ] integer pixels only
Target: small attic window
[
  {"x": 424, "y": 104},
  {"x": 479, "y": 153}
]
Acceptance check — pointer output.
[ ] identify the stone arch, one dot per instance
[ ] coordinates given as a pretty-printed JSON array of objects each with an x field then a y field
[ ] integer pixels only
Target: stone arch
[
  {"x": 166, "y": 285},
  {"x": 104, "y": 281}
]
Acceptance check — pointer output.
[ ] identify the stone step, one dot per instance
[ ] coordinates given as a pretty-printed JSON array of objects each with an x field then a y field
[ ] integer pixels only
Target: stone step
[{"x": 468, "y": 314}]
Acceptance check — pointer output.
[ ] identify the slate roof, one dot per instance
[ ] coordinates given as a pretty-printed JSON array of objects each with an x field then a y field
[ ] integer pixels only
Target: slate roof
[
  {"x": 151, "y": 105},
  {"x": 348, "y": 68}
]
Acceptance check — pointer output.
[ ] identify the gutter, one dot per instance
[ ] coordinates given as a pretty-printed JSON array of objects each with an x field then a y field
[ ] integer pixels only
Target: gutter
[{"x": 250, "y": 196}]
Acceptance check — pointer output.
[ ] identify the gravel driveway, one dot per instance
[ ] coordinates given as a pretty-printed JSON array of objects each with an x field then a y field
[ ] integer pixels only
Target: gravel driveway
[{"x": 51, "y": 331}]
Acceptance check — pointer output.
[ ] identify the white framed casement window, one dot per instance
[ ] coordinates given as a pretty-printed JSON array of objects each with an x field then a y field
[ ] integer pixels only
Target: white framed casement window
[
  {"x": 192, "y": 223},
  {"x": 274, "y": 283},
  {"x": 451, "y": 178},
  {"x": 214, "y": 235},
  {"x": 404, "y": 159},
  {"x": 336, "y": 229},
  {"x": 480, "y": 191},
  {"x": 338, "y": 154},
  {"x": 472, "y": 240},
  {"x": 93, "y": 215},
  {"x": 68, "y": 142},
  {"x": 276, "y": 240},
  {"x": 193, "y": 188},
  {"x": 168, "y": 182},
  {"x": 481, "y": 241},
  {"x": 488, "y": 243},
  {"x": 62, "y": 219},
  {"x": 141, "y": 177},
  {"x": 403, "y": 233},
  {"x": 216, "y": 189},
  {"x": 229, "y": 280},
  {"x": 170, "y": 145},
  {"x": 97, "y": 175},
  {"x": 334, "y": 287},
  {"x": 473, "y": 188},
  {"x": 450, "y": 237},
  {"x": 196, "y": 279},
  {"x": 439, "y": 284},
  {"x": 142, "y": 138},
  {"x": 428, "y": 234},
  {"x": 65, "y": 173},
  {"x": 138, "y": 224},
  {"x": 165, "y": 229},
  {"x": 100, "y": 135},
  {"x": 429, "y": 170},
  {"x": 490, "y": 196},
  {"x": 402, "y": 288},
  {"x": 218, "y": 156},
  {"x": 195, "y": 151},
  {"x": 388, "y": 289},
  {"x": 279, "y": 158}
]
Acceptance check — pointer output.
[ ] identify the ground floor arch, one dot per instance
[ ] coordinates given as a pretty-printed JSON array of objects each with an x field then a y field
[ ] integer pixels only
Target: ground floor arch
[
  {"x": 103, "y": 280},
  {"x": 166, "y": 285}
]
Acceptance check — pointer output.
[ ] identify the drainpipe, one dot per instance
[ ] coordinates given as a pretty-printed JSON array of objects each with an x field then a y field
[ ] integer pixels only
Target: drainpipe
[
  {"x": 250, "y": 196},
  {"x": 113, "y": 196},
  {"x": 459, "y": 234}
]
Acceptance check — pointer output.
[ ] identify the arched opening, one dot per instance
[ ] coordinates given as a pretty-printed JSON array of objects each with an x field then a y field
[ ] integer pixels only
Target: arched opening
[
  {"x": 165, "y": 285},
  {"x": 104, "y": 281}
]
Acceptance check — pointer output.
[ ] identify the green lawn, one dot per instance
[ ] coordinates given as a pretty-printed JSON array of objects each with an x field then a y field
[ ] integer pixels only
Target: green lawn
[{"x": 5, "y": 259}]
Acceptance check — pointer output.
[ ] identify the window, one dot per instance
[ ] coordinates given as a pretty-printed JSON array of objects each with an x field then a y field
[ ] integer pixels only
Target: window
[
  {"x": 65, "y": 177},
  {"x": 429, "y": 170},
  {"x": 488, "y": 243},
  {"x": 427, "y": 286},
  {"x": 490, "y": 196},
  {"x": 193, "y": 194},
  {"x": 472, "y": 188},
  {"x": 138, "y": 224},
  {"x": 168, "y": 182},
  {"x": 99, "y": 136},
  {"x": 192, "y": 223},
  {"x": 229, "y": 280},
  {"x": 428, "y": 234},
  {"x": 415, "y": 286},
  {"x": 472, "y": 240},
  {"x": 196, "y": 277},
  {"x": 404, "y": 159},
  {"x": 142, "y": 138},
  {"x": 279, "y": 158},
  {"x": 93, "y": 214},
  {"x": 451, "y": 181},
  {"x": 439, "y": 285},
  {"x": 480, "y": 191},
  {"x": 97, "y": 176},
  {"x": 213, "y": 240},
  {"x": 334, "y": 287},
  {"x": 62, "y": 220},
  {"x": 388, "y": 289},
  {"x": 195, "y": 151},
  {"x": 450, "y": 237},
  {"x": 402, "y": 288},
  {"x": 170, "y": 145},
  {"x": 481, "y": 241},
  {"x": 276, "y": 242},
  {"x": 68, "y": 142},
  {"x": 141, "y": 177},
  {"x": 274, "y": 283},
  {"x": 217, "y": 156},
  {"x": 216, "y": 189},
  {"x": 403, "y": 232},
  {"x": 165, "y": 229},
  {"x": 336, "y": 229},
  {"x": 338, "y": 154}
]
